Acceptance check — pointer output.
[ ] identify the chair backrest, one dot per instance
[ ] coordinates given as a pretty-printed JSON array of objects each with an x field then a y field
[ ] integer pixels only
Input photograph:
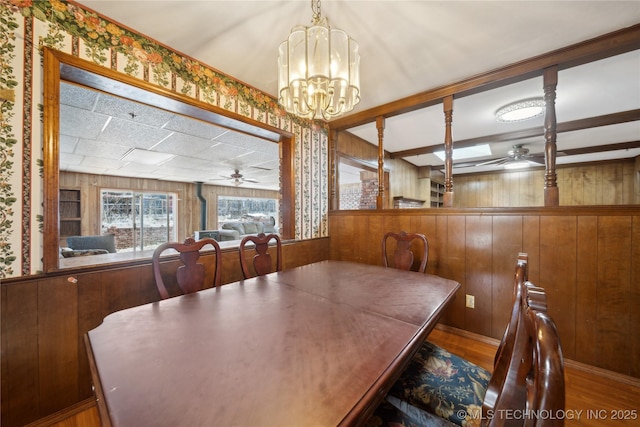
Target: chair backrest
[
  {"x": 545, "y": 378},
  {"x": 403, "y": 256},
  {"x": 262, "y": 260},
  {"x": 105, "y": 241},
  {"x": 504, "y": 355},
  {"x": 190, "y": 276},
  {"x": 533, "y": 383}
]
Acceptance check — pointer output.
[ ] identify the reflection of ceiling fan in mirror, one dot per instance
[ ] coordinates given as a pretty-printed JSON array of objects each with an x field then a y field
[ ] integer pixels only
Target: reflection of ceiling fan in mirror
[
  {"x": 236, "y": 178},
  {"x": 517, "y": 156}
]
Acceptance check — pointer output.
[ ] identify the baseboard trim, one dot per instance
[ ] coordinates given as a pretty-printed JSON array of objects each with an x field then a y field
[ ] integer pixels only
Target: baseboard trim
[
  {"x": 601, "y": 372},
  {"x": 467, "y": 334},
  {"x": 578, "y": 366},
  {"x": 64, "y": 413}
]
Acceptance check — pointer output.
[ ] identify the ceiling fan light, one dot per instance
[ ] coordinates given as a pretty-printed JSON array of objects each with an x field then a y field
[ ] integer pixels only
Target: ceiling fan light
[{"x": 521, "y": 110}]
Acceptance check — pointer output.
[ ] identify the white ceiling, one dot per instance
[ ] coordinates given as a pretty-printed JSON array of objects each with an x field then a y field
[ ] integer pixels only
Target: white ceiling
[
  {"x": 408, "y": 47},
  {"x": 98, "y": 131}
]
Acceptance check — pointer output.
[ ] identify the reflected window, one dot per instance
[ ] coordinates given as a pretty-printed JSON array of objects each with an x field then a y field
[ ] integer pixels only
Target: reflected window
[
  {"x": 138, "y": 220},
  {"x": 248, "y": 209}
]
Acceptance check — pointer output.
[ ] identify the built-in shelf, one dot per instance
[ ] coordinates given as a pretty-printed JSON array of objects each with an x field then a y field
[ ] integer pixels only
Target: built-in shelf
[
  {"x": 436, "y": 194},
  {"x": 70, "y": 220}
]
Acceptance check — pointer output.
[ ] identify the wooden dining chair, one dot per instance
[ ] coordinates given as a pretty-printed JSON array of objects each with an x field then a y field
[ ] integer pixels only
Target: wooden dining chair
[
  {"x": 191, "y": 275},
  {"x": 442, "y": 384},
  {"x": 534, "y": 382},
  {"x": 534, "y": 387},
  {"x": 403, "y": 256},
  {"x": 262, "y": 260}
]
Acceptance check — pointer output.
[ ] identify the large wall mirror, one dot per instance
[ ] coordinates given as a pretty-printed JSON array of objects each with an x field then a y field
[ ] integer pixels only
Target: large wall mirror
[{"x": 112, "y": 140}]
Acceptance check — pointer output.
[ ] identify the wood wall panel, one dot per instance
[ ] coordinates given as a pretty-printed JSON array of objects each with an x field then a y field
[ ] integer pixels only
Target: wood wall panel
[
  {"x": 586, "y": 257},
  {"x": 531, "y": 245},
  {"x": 558, "y": 249},
  {"x": 427, "y": 226},
  {"x": 610, "y": 183},
  {"x": 363, "y": 253},
  {"x": 614, "y": 291},
  {"x": 478, "y": 272},
  {"x": 634, "y": 297},
  {"x": 91, "y": 311},
  {"x": 20, "y": 352},
  {"x": 586, "y": 288},
  {"x": 506, "y": 244},
  {"x": 44, "y": 319},
  {"x": 455, "y": 258},
  {"x": 57, "y": 343}
]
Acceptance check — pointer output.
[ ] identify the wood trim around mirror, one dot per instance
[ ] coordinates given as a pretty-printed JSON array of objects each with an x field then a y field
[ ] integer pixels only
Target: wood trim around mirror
[{"x": 98, "y": 77}]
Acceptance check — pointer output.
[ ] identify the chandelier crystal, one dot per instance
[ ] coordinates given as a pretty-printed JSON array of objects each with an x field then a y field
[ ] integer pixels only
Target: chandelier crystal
[{"x": 318, "y": 70}]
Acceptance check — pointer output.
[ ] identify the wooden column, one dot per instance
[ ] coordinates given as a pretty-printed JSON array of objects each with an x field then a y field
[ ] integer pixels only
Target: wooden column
[
  {"x": 380, "y": 200},
  {"x": 447, "y": 106},
  {"x": 333, "y": 166},
  {"x": 550, "y": 81}
]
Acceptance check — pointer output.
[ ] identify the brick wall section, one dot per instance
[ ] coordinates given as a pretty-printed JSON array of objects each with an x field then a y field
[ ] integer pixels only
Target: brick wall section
[
  {"x": 153, "y": 236},
  {"x": 369, "y": 194}
]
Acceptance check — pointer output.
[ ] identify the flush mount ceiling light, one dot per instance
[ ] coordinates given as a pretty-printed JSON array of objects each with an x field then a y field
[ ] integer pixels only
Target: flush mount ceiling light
[
  {"x": 318, "y": 70},
  {"x": 521, "y": 110},
  {"x": 146, "y": 157}
]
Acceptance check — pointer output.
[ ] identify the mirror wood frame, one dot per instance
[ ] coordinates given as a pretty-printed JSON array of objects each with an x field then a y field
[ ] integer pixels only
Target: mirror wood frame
[{"x": 58, "y": 66}]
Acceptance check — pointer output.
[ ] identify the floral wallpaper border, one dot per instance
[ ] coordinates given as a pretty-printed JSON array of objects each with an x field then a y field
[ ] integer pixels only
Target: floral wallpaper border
[{"x": 71, "y": 28}]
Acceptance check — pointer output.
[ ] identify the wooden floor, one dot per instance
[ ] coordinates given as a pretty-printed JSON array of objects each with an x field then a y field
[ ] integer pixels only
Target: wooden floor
[{"x": 593, "y": 397}]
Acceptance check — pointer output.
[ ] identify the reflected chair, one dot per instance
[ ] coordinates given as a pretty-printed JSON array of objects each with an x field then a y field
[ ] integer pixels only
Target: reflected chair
[
  {"x": 439, "y": 384},
  {"x": 262, "y": 260},
  {"x": 190, "y": 276},
  {"x": 403, "y": 256}
]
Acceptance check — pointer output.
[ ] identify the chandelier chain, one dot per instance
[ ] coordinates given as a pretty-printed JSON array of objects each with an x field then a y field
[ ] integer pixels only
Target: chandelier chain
[{"x": 317, "y": 13}]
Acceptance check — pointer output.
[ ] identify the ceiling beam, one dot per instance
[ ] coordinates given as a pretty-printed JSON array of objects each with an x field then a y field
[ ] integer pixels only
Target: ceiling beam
[
  {"x": 591, "y": 122},
  {"x": 607, "y": 45},
  {"x": 568, "y": 152}
]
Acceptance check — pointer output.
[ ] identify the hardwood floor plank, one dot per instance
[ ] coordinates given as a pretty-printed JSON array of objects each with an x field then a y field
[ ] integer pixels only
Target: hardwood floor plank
[{"x": 591, "y": 399}]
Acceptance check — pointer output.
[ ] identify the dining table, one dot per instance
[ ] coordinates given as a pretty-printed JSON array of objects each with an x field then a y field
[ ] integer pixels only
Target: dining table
[{"x": 315, "y": 345}]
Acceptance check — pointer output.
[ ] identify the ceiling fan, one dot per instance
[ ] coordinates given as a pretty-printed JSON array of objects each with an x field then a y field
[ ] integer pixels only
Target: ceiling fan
[
  {"x": 236, "y": 178},
  {"x": 517, "y": 155}
]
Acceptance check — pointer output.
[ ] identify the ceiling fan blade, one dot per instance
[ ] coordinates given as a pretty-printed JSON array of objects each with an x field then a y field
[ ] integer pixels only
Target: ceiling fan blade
[
  {"x": 460, "y": 165},
  {"x": 249, "y": 180},
  {"x": 494, "y": 161}
]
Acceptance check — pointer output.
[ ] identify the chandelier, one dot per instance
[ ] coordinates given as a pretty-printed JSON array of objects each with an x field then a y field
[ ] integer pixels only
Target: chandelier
[{"x": 318, "y": 70}]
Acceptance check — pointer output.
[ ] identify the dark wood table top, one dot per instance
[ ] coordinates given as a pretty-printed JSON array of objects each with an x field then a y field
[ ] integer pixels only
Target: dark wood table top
[{"x": 317, "y": 345}]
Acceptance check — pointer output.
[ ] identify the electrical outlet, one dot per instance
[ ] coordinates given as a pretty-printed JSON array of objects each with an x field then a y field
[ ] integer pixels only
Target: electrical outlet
[{"x": 470, "y": 301}]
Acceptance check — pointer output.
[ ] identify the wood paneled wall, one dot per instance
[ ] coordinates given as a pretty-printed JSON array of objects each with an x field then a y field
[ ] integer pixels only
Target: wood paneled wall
[
  {"x": 188, "y": 203},
  {"x": 605, "y": 183},
  {"x": 44, "y": 319},
  {"x": 586, "y": 258}
]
